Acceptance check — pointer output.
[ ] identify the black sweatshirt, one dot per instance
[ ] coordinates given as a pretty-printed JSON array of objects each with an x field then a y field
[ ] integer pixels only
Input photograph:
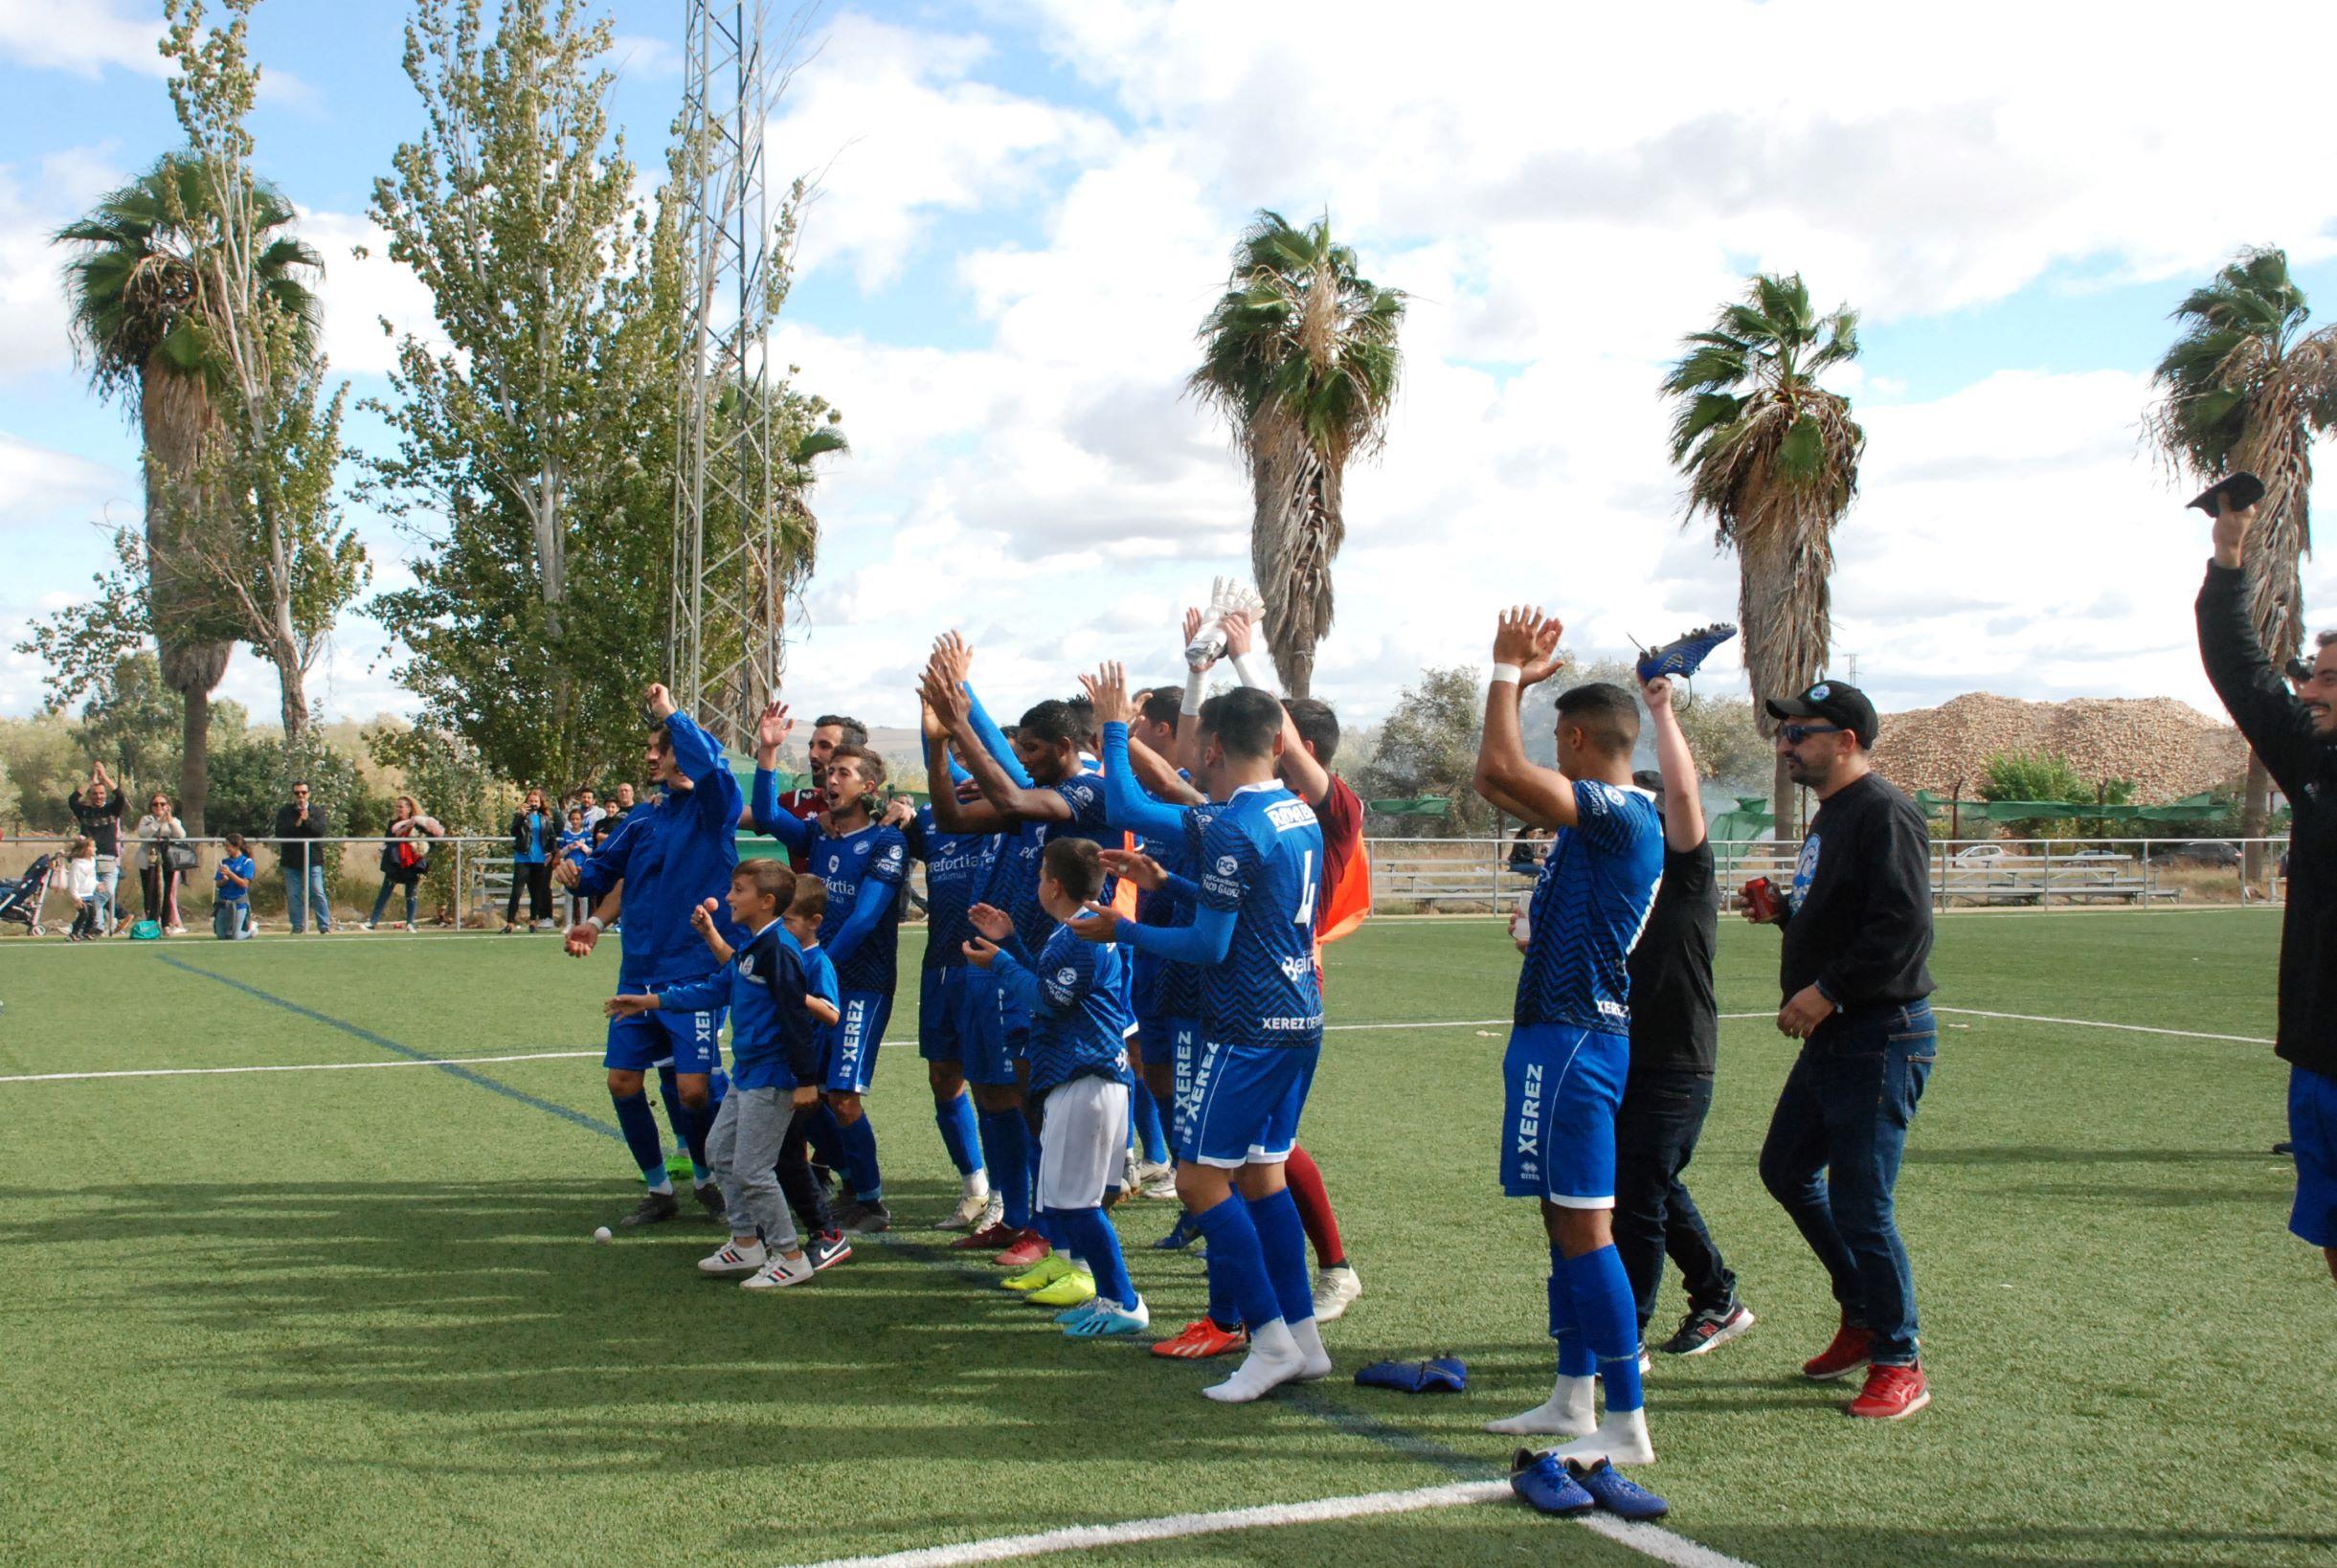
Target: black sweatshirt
[
  {"x": 2303, "y": 763},
  {"x": 1861, "y": 923}
]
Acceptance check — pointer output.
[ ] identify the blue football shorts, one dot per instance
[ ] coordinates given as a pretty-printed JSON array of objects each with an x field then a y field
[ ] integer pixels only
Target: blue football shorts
[
  {"x": 692, "y": 1042},
  {"x": 941, "y": 1009},
  {"x": 847, "y": 1047},
  {"x": 1173, "y": 1042},
  {"x": 2312, "y": 1130},
  {"x": 1244, "y": 1104},
  {"x": 993, "y": 1032},
  {"x": 1562, "y": 1086}
]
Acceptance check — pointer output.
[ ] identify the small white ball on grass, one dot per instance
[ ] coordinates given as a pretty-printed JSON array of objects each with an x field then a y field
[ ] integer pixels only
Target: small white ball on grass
[{"x": 600, "y": 1234}]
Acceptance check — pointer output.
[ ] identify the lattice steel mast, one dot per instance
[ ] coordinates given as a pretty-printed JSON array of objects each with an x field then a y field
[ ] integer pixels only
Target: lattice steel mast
[{"x": 728, "y": 617}]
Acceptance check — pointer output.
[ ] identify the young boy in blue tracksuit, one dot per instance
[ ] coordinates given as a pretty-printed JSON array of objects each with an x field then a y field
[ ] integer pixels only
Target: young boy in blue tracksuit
[
  {"x": 773, "y": 1071},
  {"x": 1074, "y": 994}
]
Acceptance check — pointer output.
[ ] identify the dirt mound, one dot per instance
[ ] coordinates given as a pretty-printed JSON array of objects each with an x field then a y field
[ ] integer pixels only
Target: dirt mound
[{"x": 2168, "y": 748}]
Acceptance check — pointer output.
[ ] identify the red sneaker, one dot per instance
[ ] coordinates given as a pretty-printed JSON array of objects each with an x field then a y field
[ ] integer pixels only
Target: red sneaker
[
  {"x": 988, "y": 1239},
  {"x": 1199, "y": 1340},
  {"x": 1030, "y": 1246},
  {"x": 1891, "y": 1394},
  {"x": 1852, "y": 1349}
]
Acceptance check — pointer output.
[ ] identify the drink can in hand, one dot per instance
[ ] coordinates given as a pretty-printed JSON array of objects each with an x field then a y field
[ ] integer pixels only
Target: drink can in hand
[{"x": 1761, "y": 898}]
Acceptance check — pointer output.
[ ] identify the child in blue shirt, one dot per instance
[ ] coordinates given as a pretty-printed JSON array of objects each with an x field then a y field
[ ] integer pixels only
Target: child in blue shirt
[
  {"x": 773, "y": 1070},
  {"x": 576, "y": 846},
  {"x": 231, "y": 907},
  {"x": 807, "y": 1194},
  {"x": 1080, "y": 1078}
]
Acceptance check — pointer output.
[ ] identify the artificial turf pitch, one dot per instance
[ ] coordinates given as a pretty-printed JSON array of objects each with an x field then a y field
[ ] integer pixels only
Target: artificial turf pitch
[{"x": 355, "y": 1315}]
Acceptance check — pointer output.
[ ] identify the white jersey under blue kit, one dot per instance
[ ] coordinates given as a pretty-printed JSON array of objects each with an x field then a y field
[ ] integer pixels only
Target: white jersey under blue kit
[{"x": 1569, "y": 1047}]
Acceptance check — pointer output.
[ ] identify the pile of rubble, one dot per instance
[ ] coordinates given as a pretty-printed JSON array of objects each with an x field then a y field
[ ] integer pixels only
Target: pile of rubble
[{"x": 2168, "y": 748}]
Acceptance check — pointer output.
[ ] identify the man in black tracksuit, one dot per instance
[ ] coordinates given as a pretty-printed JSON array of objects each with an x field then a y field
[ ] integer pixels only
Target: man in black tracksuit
[
  {"x": 1858, "y": 931},
  {"x": 2297, "y": 738}
]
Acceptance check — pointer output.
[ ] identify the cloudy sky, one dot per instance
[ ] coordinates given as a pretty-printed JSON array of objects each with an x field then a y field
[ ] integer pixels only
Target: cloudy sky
[{"x": 1028, "y": 205}]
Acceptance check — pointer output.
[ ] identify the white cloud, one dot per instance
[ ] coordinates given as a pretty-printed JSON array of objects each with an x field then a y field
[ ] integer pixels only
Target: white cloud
[
  {"x": 359, "y": 294},
  {"x": 84, "y": 38},
  {"x": 39, "y": 484}
]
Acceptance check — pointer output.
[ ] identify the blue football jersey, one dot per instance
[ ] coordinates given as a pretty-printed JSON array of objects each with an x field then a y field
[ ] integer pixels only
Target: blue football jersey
[
  {"x": 773, "y": 1038},
  {"x": 1078, "y": 1012},
  {"x": 1172, "y": 990},
  {"x": 1261, "y": 856},
  {"x": 819, "y": 975},
  {"x": 875, "y": 853},
  {"x": 1593, "y": 897},
  {"x": 956, "y": 876}
]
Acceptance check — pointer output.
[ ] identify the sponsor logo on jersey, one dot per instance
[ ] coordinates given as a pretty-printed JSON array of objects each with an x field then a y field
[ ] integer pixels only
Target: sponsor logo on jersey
[
  {"x": 1297, "y": 967},
  {"x": 1227, "y": 865},
  {"x": 1292, "y": 1026},
  {"x": 1287, "y": 815},
  {"x": 863, "y": 847},
  {"x": 1529, "y": 1122},
  {"x": 1066, "y": 975}
]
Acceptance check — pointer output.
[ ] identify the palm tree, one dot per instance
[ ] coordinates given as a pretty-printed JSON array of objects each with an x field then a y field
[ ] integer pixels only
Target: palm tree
[
  {"x": 2247, "y": 388},
  {"x": 1772, "y": 459},
  {"x": 1301, "y": 355},
  {"x": 136, "y": 301}
]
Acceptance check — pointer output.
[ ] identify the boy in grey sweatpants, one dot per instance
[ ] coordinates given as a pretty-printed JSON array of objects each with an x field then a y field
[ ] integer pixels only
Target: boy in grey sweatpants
[{"x": 773, "y": 1071}]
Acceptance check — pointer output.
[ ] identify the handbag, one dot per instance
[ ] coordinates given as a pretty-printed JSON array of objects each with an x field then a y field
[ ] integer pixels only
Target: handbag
[{"x": 179, "y": 855}]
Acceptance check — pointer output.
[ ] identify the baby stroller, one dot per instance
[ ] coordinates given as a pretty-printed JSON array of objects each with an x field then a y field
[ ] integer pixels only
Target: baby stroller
[{"x": 21, "y": 900}]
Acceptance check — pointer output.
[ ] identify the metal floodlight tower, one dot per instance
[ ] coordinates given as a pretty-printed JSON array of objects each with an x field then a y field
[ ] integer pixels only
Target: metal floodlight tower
[{"x": 727, "y": 619}]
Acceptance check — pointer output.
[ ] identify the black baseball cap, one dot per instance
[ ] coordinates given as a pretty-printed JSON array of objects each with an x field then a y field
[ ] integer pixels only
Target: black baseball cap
[
  {"x": 1836, "y": 700},
  {"x": 2241, "y": 490}
]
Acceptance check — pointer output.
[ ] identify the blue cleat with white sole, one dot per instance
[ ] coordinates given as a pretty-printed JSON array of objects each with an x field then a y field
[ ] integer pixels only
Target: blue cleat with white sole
[
  {"x": 1608, "y": 1487},
  {"x": 1680, "y": 656},
  {"x": 1181, "y": 1235},
  {"x": 1109, "y": 1320},
  {"x": 1542, "y": 1481}
]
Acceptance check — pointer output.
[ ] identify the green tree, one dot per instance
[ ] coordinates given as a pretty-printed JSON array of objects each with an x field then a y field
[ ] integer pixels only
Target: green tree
[
  {"x": 45, "y": 766},
  {"x": 1771, "y": 458},
  {"x": 134, "y": 723},
  {"x": 2246, "y": 387},
  {"x": 1429, "y": 746},
  {"x": 1300, "y": 356},
  {"x": 2048, "y": 776},
  {"x": 139, "y": 295}
]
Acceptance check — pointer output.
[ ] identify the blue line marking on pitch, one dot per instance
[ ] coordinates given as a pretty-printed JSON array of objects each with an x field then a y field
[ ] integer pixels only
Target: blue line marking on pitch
[
  {"x": 1357, "y": 1423},
  {"x": 565, "y": 1113}
]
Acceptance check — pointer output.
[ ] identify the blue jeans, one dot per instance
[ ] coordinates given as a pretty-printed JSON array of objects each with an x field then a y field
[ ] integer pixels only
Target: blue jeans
[
  {"x": 1831, "y": 1159},
  {"x": 300, "y": 895}
]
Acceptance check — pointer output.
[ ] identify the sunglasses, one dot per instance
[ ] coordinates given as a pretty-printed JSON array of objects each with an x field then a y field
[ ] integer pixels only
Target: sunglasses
[{"x": 1796, "y": 733}]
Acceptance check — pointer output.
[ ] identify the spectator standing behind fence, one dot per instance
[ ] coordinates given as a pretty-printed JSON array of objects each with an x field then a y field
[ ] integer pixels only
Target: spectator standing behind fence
[
  {"x": 2297, "y": 737},
  {"x": 620, "y": 808},
  {"x": 405, "y": 857},
  {"x": 97, "y": 806},
  {"x": 82, "y": 882},
  {"x": 590, "y": 804},
  {"x": 300, "y": 822},
  {"x": 161, "y": 853},
  {"x": 534, "y": 833},
  {"x": 231, "y": 891},
  {"x": 1858, "y": 931}
]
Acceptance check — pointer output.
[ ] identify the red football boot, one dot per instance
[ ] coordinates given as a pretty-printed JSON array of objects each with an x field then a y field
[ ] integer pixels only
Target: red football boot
[
  {"x": 1202, "y": 1339},
  {"x": 1853, "y": 1348},
  {"x": 1029, "y": 1247},
  {"x": 1892, "y": 1393},
  {"x": 988, "y": 1239}
]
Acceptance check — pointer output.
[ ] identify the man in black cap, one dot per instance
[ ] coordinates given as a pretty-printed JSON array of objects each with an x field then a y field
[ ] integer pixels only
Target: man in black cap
[
  {"x": 1857, "y": 929},
  {"x": 2296, "y": 735}
]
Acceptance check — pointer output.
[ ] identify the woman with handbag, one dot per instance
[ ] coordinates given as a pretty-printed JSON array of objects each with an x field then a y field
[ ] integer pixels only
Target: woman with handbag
[
  {"x": 163, "y": 856},
  {"x": 405, "y": 857},
  {"x": 533, "y": 833}
]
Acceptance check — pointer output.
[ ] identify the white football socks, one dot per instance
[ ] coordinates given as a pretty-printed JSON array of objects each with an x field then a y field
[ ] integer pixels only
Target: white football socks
[
  {"x": 1275, "y": 1358},
  {"x": 1570, "y": 1411}
]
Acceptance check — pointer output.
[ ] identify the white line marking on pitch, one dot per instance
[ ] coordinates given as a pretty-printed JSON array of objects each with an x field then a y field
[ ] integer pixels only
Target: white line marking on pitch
[
  {"x": 291, "y": 1067},
  {"x": 2097, "y": 1024},
  {"x": 1651, "y": 1540}
]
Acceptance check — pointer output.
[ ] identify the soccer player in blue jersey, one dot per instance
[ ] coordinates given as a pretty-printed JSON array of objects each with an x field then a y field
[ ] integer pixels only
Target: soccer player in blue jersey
[
  {"x": 773, "y": 1071},
  {"x": 1252, "y": 934},
  {"x": 1569, "y": 1049},
  {"x": 670, "y": 858},
  {"x": 1080, "y": 1076},
  {"x": 956, "y": 868},
  {"x": 864, "y": 863}
]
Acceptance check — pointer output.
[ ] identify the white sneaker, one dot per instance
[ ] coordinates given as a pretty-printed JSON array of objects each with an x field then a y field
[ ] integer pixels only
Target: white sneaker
[
  {"x": 779, "y": 1273},
  {"x": 1570, "y": 1411},
  {"x": 1154, "y": 1180},
  {"x": 1274, "y": 1359},
  {"x": 1621, "y": 1439},
  {"x": 733, "y": 1259},
  {"x": 1335, "y": 1291},
  {"x": 974, "y": 1213}
]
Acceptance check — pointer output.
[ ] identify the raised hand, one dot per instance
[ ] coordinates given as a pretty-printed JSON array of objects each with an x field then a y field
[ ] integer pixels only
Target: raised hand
[
  {"x": 772, "y": 729},
  {"x": 702, "y": 918},
  {"x": 1192, "y": 633},
  {"x": 1657, "y": 694},
  {"x": 943, "y": 695},
  {"x": 928, "y": 721},
  {"x": 659, "y": 699},
  {"x": 2230, "y": 531},
  {"x": 1238, "y": 634},
  {"x": 1108, "y": 689},
  {"x": 1137, "y": 866},
  {"x": 991, "y": 921},
  {"x": 1526, "y": 637},
  {"x": 955, "y": 655}
]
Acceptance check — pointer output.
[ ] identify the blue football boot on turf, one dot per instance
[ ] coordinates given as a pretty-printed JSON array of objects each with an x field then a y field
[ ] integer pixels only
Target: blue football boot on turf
[
  {"x": 1606, "y": 1486},
  {"x": 1543, "y": 1482},
  {"x": 1181, "y": 1235},
  {"x": 1680, "y": 656}
]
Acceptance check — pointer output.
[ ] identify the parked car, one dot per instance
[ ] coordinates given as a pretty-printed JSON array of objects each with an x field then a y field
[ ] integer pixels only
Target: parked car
[
  {"x": 1979, "y": 854},
  {"x": 2197, "y": 852}
]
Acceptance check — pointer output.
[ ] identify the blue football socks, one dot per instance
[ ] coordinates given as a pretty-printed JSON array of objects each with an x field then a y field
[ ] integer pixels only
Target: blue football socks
[
  {"x": 1610, "y": 1317},
  {"x": 690, "y": 1127},
  {"x": 1146, "y": 1111},
  {"x": 1006, "y": 1151},
  {"x": 959, "y": 1133},
  {"x": 1574, "y": 1356},
  {"x": 641, "y": 1131},
  {"x": 859, "y": 1139},
  {"x": 1236, "y": 1257},
  {"x": 1090, "y": 1237},
  {"x": 1282, "y": 1238}
]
